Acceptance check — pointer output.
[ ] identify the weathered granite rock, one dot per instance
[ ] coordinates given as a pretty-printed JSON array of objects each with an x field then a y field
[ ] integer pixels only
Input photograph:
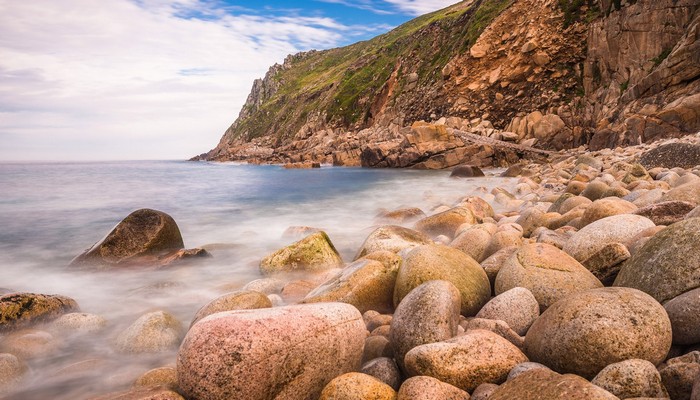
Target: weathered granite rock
[
  {"x": 400, "y": 216},
  {"x": 354, "y": 385},
  {"x": 79, "y": 323},
  {"x": 549, "y": 273},
  {"x": 436, "y": 262},
  {"x": 22, "y": 309},
  {"x": 524, "y": 367},
  {"x": 429, "y": 388},
  {"x": 446, "y": 222},
  {"x": 466, "y": 361},
  {"x": 587, "y": 331},
  {"x": 30, "y": 344},
  {"x": 668, "y": 264},
  {"x": 546, "y": 384},
  {"x": 366, "y": 284},
  {"x": 428, "y": 314},
  {"x": 479, "y": 207},
  {"x": 605, "y": 264},
  {"x": 496, "y": 326},
  {"x": 151, "y": 333},
  {"x": 483, "y": 391},
  {"x": 672, "y": 155},
  {"x": 631, "y": 378},
  {"x": 666, "y": 212},
  {"x": 503, "y": 239},
  {"x": 679, "y": 375},
  {"x": 240, "y": 300},
  {"x": 163, "y": 376},
  {"x": 12, "y": 370},
  {"x": 492, "y": 265},
  {"x": 688, "y": 192},
  {"x": 466, "y": 171},
  {"x": 143, "y": 234},
  {"x": 384, "y": 369},
  {"x": 313, "y": 253},
  {"x": 392, "y": 238},
  {"x": 683, "y": 312},
  {"x": 284, "y": 352},
  {"x": 517, "y": 307},
  {"x": 606, "y": 207},
  {"x": 377, "y": 346},
  {"x": 473, "y": 242},
  {"x": 595, "y": 236}
]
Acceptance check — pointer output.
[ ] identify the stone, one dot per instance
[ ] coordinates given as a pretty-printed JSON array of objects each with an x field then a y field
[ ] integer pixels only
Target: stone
[
  {"x": 355, "y": 386},
  {"x": 666, "y": 212},
  {"x": 484, "y": 391},
  {"x": 517, "y": 307},
  {"x": 139, "y": 237},
  {"x": 688, "y": 192},
  {"x": 12, "y": 370},
  {"x": 530, "y": 220},
  {"x": 529, "y": 46},
  {"x": 546, "y": 384},
  {"x": 384, "y": 369},
  {"x": 314, "y": 253},
  {"x": 181, "y": 257},
  {"x": 446, "y": 222},
  {"x": 375, "y": 321},
  {"x": 549, "y": 273},
  {"x": 377, "y": 346},
  {"x": 466, "y": 361},
  {"x": 473, "y": 242},
  {"x": 152, "y": 333},
  {"x": 672, "y": 155},
  {"x": 239, "y": 300},
  {"x": 29, "y": 344},
  {"x": 503, "y": 239},
  {"x": 606, "y": 207},
  {"x": 79, "y": 323},
  {"x": 496, "y": 326},
  {"x": 429, "y": 313},
  {"x": 685, "y": 320},
  {"x": 678, "y": 377},
  {"x": 366, "y": 284},
  {"x": 492, "y": 265},
  {"x": 18, "y": 310},
  {"x": 587, "y": 331},
  {"x": 595, "y": 190},
  {"x": 668, "y": 264},
  {"x": 605, "y": 264},
  {"x": 163, "y": 376},
  {"x": 541, "y": 58},
  {"x": 283, "y": 352},
  {"x": 401, "y": 216},
  {"x": 614, "y": 229},
  {"x": 631, "y": 378},
  {"x": 466, "y": 171},
  {"x": 392, "y": 238},
  {"x": 524, "y": 367},
  {"x": 296, "y": 290},
  {"x": 437, "y": 262},
  {"x": 142, "y": 393},
  {"x": 429, "y": 388}
]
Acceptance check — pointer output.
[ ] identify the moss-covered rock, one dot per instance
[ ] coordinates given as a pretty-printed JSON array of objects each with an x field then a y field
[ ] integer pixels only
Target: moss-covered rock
[
  {"x": 23, "y": 309},
  {"x": 314, "y": 253}
]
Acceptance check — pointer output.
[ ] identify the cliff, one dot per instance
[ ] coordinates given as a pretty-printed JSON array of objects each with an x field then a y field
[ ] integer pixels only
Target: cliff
[{"x": 544, "y": 73}]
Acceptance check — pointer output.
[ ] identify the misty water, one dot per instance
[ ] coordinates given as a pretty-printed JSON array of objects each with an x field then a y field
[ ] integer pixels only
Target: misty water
[{"x": 50, "y": 212}]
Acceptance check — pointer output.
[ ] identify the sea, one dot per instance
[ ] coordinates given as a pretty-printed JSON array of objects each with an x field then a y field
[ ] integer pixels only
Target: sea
[{"x": 50, "y": 212}]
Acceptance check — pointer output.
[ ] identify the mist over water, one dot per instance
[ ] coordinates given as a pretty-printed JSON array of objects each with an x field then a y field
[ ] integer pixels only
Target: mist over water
[{"x": 51, "y": 212}]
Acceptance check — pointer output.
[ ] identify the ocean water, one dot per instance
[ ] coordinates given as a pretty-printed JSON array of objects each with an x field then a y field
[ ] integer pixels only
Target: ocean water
[{"x": 50, "y": 212}]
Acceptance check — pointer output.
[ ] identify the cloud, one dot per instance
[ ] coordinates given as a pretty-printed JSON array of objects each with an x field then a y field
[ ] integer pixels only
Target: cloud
[{"x": 419, "y": 7}]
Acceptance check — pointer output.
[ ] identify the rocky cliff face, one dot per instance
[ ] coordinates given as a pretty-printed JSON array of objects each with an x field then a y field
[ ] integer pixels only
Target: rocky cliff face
[{"x": 550, "y": 73}]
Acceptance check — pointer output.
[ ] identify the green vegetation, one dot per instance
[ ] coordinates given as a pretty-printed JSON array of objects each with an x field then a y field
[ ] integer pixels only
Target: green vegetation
[
  {"x": 624, "y": 85},
  {"x": 572, "y": 10},
  {"x": 661, "y": 57}
]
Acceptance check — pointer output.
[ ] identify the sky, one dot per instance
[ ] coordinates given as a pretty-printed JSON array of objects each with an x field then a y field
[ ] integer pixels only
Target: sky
[{"x": 92, "y": 80}]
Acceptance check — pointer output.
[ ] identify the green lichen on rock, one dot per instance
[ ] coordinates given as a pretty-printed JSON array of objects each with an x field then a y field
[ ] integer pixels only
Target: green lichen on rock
[{"x": 313, "y": 253}]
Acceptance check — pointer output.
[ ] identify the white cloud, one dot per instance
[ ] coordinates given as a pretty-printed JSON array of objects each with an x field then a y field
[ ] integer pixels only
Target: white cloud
[{"x": 419, "y": 7}]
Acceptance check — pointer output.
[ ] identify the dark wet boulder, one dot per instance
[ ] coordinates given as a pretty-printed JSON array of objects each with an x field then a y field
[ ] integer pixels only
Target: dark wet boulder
[
  {"x": 143, "y": 236},
  {"x": 466, "y": 171},
  {"x": 22, "y": 309}
]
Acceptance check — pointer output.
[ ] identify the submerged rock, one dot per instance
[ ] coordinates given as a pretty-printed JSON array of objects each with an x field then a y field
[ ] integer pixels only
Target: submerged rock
[
  {"x": 151, "y": 333},
  {"x": 23, "y": 309},
  {"x": 314, "y": 253}
]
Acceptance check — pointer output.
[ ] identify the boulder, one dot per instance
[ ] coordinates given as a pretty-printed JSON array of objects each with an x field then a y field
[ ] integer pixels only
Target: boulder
[
  {"x": 466, "y": 171},
  {"x": 428, "y": 314},
  {"x": 524, "y": 367},
  {"x": 546, "y": 384},
  {"x": 392, "y": 238},
  {"x": 587, "y": 331},
  {"x": 517, "y": 307},
  {"x": 483, "y": 391},
  {"x": 12, "y": 370},
  {"x": 595, "y": 236},
  {"x": 163, "y": 376},
  {"x": 606, "y": 262},
  {"x": 666, "y": 212},
  {"x": 479, "y": 207},
  {"x": 239, "y": 300},
  {"x": 631, "y": 378},
  {"x": 384, "y": 369},
  {"x": 492, "y": 265},
  {"x": 549, "y": 273},
  {"x": 688, "y": 192},
  {"x": 672, "y": 155},
  {"x": 22, "y": 309},
  {"x": 377, "y": 346},
  {"x": 366, "y": 284},
  {"x": 606, "y": 207},
  {"x": 437, "y": 262},
  {"x": 79, "y": 323},
  {"x": 446, "y": 222},
  {"x": 679, "y": 375},
  {"x": 683, "y": 312},
  {"x": 141, "y": 237},
  {"x": 429, "y": 388},
  {"x": 30, "y": 344},
  {"x": 496, "y": 326},
  {"x": 284, "y": 352},
  {"x": 151, "y": 333},
  {"x": 401, "y": 216},
  {"x": 314, "y": 253},
  {"x": 473, "y": 242},
  {"x": 466, "y": 361},
  {"x": 355, "y": 386},
  {"x": 668, "y": 264},
  {"x": 142, "y": 393}
]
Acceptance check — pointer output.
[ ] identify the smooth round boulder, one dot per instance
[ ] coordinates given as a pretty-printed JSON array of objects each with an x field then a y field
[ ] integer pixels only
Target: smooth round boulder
[
  {"x": 12, "y": 370},
  {"x": 473, "y": 242},
  {"x": 606, "y": 207},
  {"x": 466, "y": 361},
  {"x": 314, "y": 253},
  {"x": 30, "y": 344},
  {"x": 631, "y": 378},
  {"x": 79, "y": 323},
  {"x": 429, "y": 388},
  {"x": 392, "y": 238},
  {"x": 492, "y": 265},
  {"x": 549, "y": 273},
  {"x": 614, "y": 229},
  {"x": 366, "y": 284},
  {"x": 143, "y": 233},
  {"x": 151, "y": 333},
  {"x": 446, "y": 222},
  {"x": 587, "y": 331},
  {"x": 18, "y": 310},
  {"x": 357, "y": 386},
  {"x": 240, "y": 300},
  {"x": 524, "y": 367},
  {"x": 400, "y": 216},
  {"x": 517, "y": 307},
  {"x": 668, "y": 264},
  {"x": 541, "y": 383},
  {"x": 466, "y": 171},
  {"x": 437, "y": 262},
  {"x": 384, "y": 369},
  {"x": 429, "y": 313},
  {"x": 163, "y": 376},
  {"x": 688, "y": 192},
  {"x": 683, "y": 312},
  {"x": 274, "y": 353},
  {"x": 666, "y": 212}
]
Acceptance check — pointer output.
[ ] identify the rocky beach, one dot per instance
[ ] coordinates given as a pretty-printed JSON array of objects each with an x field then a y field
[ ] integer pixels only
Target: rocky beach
[{"x": 583, "y": 285}]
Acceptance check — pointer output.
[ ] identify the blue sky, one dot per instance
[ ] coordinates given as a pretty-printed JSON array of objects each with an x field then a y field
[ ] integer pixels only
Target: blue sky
[{"x": 155, "y": 79}]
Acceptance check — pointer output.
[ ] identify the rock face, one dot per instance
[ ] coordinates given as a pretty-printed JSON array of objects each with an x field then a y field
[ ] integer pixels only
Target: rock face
[
  {"x": 585, "y": 332},
  {"x": 285, "y": 352},
  {"x": 22, "y": 309},
  {"x": 142, "y": 236},
  {"x": 313, "y": 253},
  {"x": 436, "y": 262},
  {"x": 668, "y": 264},
  {"x": 545, "y": 384}
]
